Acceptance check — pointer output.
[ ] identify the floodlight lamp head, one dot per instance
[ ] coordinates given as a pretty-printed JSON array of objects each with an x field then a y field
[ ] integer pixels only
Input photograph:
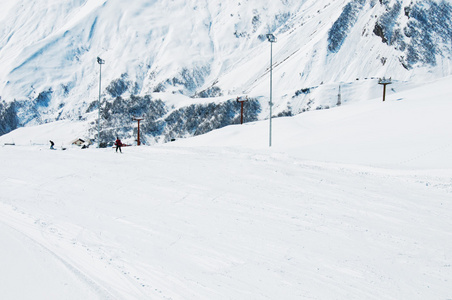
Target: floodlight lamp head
[
  {"x": 271, "y": 38},
  {"x": 100, "y": 61}
]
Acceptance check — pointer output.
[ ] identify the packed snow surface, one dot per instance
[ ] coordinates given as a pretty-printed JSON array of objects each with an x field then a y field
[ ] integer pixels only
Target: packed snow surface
[{"x": 348, "y": 203}]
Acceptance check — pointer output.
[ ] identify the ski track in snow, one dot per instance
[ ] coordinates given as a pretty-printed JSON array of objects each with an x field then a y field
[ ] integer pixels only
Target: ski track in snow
[
  {"x": 182, "y": 223},
  {"x": 20, "y": 226}
]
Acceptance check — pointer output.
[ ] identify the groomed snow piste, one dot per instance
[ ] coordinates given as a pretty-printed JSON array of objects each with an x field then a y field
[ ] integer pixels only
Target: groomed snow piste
[{"x": 348, "y": 203}]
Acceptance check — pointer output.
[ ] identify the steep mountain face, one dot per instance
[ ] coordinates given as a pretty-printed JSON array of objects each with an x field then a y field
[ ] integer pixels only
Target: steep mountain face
[{"x": 181, "y": 64}]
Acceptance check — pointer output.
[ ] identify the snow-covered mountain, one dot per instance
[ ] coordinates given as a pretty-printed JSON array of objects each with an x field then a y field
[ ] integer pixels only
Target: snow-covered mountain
[{"x": 181, "y": 64}]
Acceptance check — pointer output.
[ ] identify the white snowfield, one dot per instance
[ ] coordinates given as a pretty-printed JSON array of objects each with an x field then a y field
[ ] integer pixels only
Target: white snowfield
[{"x": 353, "y": 202}]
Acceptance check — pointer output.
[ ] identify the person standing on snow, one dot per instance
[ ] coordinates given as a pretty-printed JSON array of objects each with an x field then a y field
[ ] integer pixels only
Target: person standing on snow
[
  {"x": 52, "y": 144},
  {"x": 118, "y": 144}
]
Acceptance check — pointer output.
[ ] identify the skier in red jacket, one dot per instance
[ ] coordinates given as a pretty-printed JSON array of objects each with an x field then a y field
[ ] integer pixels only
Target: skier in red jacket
[{"x": 118, "y": 144}]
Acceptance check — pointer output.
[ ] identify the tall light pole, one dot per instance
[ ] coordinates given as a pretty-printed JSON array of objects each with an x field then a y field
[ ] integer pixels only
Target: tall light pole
[
  {"x": 271, "y": 38},
  {"x": 100, "y": 62}
]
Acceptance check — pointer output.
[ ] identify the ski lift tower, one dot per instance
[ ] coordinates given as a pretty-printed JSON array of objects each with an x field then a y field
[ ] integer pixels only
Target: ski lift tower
[
  {"x": 384, "y": 81},
  {"x": 241, "y": 101},
  {"x": 138, "y": 132}
]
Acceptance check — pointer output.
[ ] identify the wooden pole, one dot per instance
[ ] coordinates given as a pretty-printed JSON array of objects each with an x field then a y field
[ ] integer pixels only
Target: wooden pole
[
  {"x": 241, "y": 108},
  {"x": 384, "y": 82},
  {"x": 241, "y": 112},
  {"x": 138, "y": 133}
]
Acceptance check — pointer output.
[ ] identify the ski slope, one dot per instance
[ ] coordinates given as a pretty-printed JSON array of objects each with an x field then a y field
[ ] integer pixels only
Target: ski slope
[{"x": 349, "y": 203}]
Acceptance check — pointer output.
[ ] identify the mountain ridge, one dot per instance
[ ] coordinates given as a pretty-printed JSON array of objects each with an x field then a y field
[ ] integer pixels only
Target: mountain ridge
[{"x": 210, "y": 50}]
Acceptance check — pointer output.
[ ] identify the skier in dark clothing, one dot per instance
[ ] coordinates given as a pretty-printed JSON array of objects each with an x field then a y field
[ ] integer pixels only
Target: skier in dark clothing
[
  {"x": 51, "y": 145},
  {"x": 118, "y": 144}
]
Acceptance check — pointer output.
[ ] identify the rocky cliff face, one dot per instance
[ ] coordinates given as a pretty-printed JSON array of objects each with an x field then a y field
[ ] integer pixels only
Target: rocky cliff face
[{"x": 425, "y": 35}]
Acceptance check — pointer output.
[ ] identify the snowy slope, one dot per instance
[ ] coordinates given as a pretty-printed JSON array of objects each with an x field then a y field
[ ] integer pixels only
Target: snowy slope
[
  {"x": 412, "y": 128},
  {"x": 323, "y": 214},
  {"x": 48, "y": 51}
]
